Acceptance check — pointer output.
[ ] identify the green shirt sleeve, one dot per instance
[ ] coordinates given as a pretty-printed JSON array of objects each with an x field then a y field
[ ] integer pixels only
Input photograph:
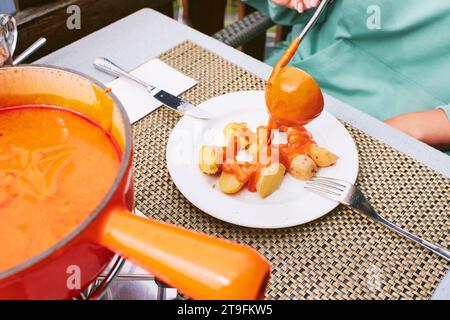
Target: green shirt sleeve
[{"x": 280, "y": 15}]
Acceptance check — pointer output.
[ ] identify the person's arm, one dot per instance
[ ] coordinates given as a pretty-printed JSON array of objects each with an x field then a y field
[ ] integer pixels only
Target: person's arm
[{"x": 431, "y": 126}]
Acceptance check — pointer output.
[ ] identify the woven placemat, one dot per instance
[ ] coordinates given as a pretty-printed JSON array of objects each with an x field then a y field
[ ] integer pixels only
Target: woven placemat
[{"x": 340, "y": 256}]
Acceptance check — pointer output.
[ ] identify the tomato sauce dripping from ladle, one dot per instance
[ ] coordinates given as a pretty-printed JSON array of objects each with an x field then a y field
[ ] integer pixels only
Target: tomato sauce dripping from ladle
[{"x": 293, "y": 98}]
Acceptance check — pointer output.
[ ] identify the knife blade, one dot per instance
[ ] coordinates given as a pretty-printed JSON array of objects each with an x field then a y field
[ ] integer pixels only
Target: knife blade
[{"x": 173, "y": 102}]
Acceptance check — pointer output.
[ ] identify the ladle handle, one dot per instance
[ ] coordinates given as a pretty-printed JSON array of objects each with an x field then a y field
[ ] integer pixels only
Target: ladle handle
[
  {"x": 290, "y": 51},
  {"x": 320, "y": 9},
  {"x": 29, "y": 51}
]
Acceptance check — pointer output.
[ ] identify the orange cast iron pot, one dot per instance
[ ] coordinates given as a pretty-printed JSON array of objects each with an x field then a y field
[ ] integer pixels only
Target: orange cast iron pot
[{"x": 201, "y": 266}]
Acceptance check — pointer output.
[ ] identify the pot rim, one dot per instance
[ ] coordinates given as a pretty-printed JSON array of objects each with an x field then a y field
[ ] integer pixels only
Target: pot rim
[{"x": 126, "y": 158}]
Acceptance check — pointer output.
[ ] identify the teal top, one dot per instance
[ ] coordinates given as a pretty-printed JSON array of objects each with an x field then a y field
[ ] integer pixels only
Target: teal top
[{"x": 383, "y": 57}]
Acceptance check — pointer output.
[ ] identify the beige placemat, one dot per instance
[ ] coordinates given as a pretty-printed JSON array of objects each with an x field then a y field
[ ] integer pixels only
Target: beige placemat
[{"x": 341, "y": 256}]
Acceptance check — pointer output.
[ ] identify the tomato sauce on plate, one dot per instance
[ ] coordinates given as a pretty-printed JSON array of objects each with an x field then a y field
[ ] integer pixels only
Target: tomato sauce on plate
[{"x": 299, "y": 141}]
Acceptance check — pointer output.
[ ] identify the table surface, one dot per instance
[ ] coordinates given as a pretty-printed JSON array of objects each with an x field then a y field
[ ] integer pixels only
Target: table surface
[{"x": 145, "y": 34}]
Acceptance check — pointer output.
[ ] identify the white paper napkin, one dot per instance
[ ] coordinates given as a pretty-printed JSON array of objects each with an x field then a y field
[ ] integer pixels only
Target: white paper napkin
[{"x": 136, "y": 100}]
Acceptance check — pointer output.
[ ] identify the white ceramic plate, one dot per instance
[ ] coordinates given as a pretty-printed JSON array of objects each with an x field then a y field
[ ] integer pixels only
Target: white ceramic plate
[{"x": 291, "y": 204}]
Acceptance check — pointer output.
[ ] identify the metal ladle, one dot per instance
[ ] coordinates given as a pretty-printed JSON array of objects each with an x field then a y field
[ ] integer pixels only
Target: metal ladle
[{"x": 292, "y": 96}]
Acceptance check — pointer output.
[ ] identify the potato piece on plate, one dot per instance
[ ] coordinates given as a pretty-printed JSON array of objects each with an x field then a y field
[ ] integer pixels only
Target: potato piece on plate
[
  {"x": 302, "y": 167},
  {"x": 210, "y": 160},
  {"x": 231, "y": 128},
  {"x": 270, "y": 179},
  {"x": 229, "y": 183},
  {"x": 323, "y": 157}
]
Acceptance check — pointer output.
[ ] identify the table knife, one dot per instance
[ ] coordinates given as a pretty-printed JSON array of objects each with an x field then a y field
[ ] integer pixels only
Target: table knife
[{"x": 173, "y": 102}]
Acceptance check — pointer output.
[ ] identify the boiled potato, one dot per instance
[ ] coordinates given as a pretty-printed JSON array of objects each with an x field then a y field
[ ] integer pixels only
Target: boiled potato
[
  {"x": 229, "y": 184},
  {"x": 231, "y": 128},
  {"x": 270, "y": 179},
  {"x": 302, "y": 167},
  {"x": 210, "y": 160},
  {"x": 322, "y": 157}
]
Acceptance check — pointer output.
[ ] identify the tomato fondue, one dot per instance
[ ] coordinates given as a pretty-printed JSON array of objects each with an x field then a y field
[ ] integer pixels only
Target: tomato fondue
[{"x": 56, "y": 166}]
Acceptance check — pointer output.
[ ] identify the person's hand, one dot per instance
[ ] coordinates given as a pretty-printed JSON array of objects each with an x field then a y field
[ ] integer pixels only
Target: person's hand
[
  {"x": 298, "y": 5},
  {"x": 431, "y": 127}
]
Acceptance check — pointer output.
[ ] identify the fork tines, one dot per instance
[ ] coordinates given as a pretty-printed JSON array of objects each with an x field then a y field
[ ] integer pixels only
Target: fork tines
[{"x": 331, "y": 188}]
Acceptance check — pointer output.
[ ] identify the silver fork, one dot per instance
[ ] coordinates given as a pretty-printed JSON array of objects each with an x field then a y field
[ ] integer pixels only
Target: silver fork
[{"x": 348, "y": 194}]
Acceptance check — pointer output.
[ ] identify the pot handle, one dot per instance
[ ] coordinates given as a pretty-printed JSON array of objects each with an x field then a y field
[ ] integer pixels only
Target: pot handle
[{"x": 201, "y": 266}]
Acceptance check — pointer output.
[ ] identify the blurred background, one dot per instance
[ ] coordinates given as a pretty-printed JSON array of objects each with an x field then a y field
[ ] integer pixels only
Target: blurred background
[{"x": 255, "y": 35}]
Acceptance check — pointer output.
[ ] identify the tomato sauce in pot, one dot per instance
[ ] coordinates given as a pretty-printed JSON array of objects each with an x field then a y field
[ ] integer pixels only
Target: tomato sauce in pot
[{"x": 56, "y": 166}]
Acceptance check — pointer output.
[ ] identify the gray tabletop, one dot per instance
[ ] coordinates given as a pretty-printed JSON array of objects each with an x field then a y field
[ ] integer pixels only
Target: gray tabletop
[{"x": 147, "y": 33}]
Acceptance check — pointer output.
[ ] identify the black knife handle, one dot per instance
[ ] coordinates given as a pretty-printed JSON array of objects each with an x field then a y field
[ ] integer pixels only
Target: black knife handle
[{"x": 169, "y": 99}]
